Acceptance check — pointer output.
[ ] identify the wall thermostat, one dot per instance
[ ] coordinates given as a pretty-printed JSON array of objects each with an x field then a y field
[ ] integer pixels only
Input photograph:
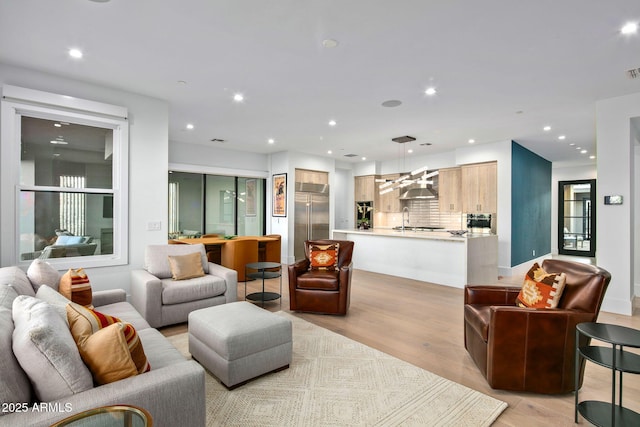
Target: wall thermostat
[{"x": 612, "y": 200}]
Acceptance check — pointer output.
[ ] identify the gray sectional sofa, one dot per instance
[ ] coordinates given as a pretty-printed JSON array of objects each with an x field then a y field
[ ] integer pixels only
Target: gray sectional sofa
[{"x": 172, "y": 391}]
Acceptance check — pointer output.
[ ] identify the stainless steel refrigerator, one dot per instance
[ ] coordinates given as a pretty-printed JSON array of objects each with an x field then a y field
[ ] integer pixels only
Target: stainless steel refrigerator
[{"x": 311, "y": 214}]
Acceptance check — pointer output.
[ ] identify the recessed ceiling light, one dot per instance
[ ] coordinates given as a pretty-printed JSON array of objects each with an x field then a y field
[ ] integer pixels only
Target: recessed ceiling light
[
  {"x": 592, "y": 157},
  {"x": 561, "y": 137},
  {"x": 329, "y": 43},
  {"x": 59, "y": 142},
  {"x": 189, "y": 126},
  {"x": 332, "y": 123},
  {"x": 329, "y": 152},
  {"x": 583, "y": 151},
  {"x": 271, "y": 141},
  {"x": 471, "y": 141},
  {"x": 430, "y": 91},
  {"x": 546, "y": 128},
  {"x": 58, "y": 125},
  {"x": 391, "y": 103},
  {"x": 578, "y": 148},
  {"x": 364, "y": 158},
  {"x": 75, "y": 53},
  {"x": 629, "y": 28},
  {"x": 409, "y": 151},
  {"x": 238, "y": 97},
  {"x": 572, "y": 144}
]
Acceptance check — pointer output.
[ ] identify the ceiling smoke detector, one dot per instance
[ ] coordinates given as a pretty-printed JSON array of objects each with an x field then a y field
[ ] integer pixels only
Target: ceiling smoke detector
[
  {"x": 351, "y": 155},
  {"x": 403, "y": 139},
  {"x": 217, "y": 140}
]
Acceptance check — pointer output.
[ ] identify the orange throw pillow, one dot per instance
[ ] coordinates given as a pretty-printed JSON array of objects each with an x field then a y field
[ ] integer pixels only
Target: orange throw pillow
[
  {"x": 75, "y": 286},
  {"x": 324, "y": 257},
  {"x": 96, "y": 346},
  {"x": 541, "y": 289}
]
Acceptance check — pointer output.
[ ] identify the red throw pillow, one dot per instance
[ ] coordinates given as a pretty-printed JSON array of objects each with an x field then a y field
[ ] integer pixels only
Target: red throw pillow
[
  {"x": 324, "y": 257},
  {"x": 541, "y": 289}
]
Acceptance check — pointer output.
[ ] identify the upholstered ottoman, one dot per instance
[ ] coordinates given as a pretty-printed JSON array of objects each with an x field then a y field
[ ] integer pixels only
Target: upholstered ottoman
[{"x": 239, "y": 341}]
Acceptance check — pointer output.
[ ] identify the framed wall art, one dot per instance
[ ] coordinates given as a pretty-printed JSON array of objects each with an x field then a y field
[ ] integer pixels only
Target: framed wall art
[
  {"x": 250, "y": 198},
  {"x": 280, "y": 195}
]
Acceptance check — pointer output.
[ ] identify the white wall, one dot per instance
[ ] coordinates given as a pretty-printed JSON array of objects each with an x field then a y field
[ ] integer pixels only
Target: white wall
[
  {"x": 211, "y": 158},
  {"x": 615, "y": 223},
  {"x": 148, "y": 142},
  {"x": 344, "y": 199},
  {"x": 565, "y": 174}
]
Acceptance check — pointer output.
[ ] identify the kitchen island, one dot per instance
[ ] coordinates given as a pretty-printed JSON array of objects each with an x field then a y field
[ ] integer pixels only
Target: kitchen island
[{"x": 430, "y": 256}]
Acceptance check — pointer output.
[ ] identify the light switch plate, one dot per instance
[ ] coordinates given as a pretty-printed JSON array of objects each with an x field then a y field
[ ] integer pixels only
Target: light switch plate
[{"x": 154, "y": 226}]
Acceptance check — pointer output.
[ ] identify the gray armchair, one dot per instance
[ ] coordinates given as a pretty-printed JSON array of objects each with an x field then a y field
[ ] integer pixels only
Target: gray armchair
[{"x": 164, "y": 301}]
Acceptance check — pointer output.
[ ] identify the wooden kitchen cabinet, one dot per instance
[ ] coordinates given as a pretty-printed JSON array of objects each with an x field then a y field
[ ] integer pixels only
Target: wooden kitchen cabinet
[
  {"x": 364, "y": 188},
  {"x": 450, "y": 190},
  {"x": 312, "y": 177},
  {"x": 479, "y": 187},
  {"x": 388, "y": 202}
]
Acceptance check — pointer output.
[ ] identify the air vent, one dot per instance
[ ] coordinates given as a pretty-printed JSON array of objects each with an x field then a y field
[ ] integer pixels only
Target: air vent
[
  {"x": 403, "y": 139},
  {"x": 426, "y": 144},
  {"x": 633, "y": 73},
  {"x": 351, "y": 155},
  {"x": 217, "y": 140}
]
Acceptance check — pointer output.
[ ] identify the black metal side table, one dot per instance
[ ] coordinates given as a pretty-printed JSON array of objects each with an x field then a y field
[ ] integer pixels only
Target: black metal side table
[
  {"x": 263, "y": 270},
  {"x": 615, "y": 358}
]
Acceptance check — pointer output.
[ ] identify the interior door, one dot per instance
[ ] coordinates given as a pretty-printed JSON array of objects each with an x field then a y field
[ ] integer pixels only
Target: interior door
[{"x": 577, "y": 217}]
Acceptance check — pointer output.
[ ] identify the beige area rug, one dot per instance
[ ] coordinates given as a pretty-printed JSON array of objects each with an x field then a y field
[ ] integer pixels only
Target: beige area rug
[{"x": 335, "y": 381}]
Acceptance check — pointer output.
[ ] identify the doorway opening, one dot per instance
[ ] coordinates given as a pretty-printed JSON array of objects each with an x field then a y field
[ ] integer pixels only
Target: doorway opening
[{"x": 577, "y": 217}]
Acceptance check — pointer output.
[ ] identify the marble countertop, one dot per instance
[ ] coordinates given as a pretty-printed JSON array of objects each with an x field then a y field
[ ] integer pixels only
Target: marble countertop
[{"x": 408, "y": 233}]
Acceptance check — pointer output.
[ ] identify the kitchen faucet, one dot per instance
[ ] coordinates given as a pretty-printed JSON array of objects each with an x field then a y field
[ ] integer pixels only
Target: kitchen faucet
[{"x": 405, "y": 209}]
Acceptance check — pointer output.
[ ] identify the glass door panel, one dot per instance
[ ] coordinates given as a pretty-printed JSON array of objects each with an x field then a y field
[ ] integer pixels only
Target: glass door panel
[
  {"x": 220, "y": 205},
  {"x": 576, "y": 218},
  {"x": 185, "y": 204}
]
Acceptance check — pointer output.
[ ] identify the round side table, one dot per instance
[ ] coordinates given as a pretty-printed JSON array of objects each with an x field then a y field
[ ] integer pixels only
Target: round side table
[
  {"x": 109, "y": 416},
  {"x": 263, "y": 270},
  {"x": 614, "y": 358}
]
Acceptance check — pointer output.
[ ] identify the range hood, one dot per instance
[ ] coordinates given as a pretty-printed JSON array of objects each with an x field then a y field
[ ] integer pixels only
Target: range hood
[{"x": 419, "y": 193}]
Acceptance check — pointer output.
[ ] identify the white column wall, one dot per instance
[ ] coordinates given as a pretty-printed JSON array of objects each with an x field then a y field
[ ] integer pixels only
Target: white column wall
[{"x": 615, "y": 223}]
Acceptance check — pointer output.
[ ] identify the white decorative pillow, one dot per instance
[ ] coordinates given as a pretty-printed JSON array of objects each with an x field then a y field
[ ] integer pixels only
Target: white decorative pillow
[
  {"x": 45, "y": 349},
  {"x": 55, "y": 299},
  {"x": 41, "y": 272},
  {"x": 14, "y": 383}
]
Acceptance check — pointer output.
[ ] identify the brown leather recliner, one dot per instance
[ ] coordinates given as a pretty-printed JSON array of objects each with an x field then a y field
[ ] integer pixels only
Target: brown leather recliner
[
  {"x": 325, "y": 292},
  {"x": 532, "y": 350}
]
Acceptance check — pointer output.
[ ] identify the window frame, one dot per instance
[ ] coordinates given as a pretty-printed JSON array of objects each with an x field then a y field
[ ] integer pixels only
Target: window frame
[{"x": 18, "y": 102}]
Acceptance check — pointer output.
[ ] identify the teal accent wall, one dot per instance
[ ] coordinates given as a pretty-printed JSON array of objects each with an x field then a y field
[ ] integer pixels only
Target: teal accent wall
[{"x": 530, "y": 205}]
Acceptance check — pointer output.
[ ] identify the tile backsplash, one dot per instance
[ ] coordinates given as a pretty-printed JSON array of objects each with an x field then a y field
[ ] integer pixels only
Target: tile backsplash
[{"x": 422, "y": 213}]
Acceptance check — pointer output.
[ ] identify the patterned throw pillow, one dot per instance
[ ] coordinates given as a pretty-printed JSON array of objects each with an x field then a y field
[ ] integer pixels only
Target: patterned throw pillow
[
  {"x": 75, "y": 285},
  {"x": 541, "y": 289},
  {"x": 111, "y": 355},
  {"x": 324, "y": 257}
]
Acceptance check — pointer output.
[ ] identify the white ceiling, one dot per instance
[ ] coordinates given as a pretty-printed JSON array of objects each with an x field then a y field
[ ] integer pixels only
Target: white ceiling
[{"x": 503, "y": 69}]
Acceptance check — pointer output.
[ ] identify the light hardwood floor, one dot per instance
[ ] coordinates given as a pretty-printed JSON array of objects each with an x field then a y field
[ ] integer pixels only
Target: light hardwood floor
[{"x": 422, "y": 323}]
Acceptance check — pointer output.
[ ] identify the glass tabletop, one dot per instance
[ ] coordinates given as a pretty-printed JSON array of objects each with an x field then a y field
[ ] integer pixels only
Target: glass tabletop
[{"x": 109, "y": 416}]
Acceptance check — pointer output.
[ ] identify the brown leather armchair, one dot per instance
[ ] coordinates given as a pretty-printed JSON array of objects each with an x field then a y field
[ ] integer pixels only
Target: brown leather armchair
[
  {"x": 325, "y": 292},
  {"x": 532, "y": 350}
]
